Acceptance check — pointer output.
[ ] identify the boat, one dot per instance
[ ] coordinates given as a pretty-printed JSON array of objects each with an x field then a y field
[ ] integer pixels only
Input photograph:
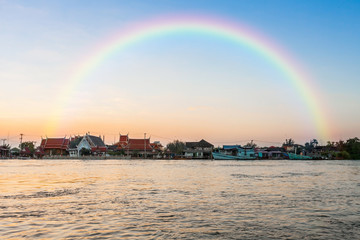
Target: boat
[
  {"x": 234, "y": 152},
  {"x": 293, "y": 156}
]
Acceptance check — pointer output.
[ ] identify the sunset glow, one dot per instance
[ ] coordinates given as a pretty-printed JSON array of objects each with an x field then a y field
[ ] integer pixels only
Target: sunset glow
[{"x": 173, "y": 75}]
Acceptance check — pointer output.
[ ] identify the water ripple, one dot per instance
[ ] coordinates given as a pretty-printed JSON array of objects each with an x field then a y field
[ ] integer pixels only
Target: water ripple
[
  {"x": 43, "y": 194},
  {"x": 132, "y": 199}
]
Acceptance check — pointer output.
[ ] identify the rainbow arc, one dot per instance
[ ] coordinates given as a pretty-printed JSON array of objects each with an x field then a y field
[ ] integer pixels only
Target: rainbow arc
[{"x": 211, "y": 26}]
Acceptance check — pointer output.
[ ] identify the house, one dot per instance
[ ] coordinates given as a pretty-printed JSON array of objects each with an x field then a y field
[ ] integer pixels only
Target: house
[
  {"x": 141, "y": 147},
  {"x": 198, "y": 150},
  {"x": 73, "y": 146},
  {"x": 294, "y": 148},
  {"x": 4, "y": 151},
  {"x": 55, "y": 146},
  {"x": 91, "y": 144},
  {"x": 15, "y": 151},
  {"x": 271, "y": 153},
  {"x": 321, "y": 152}
]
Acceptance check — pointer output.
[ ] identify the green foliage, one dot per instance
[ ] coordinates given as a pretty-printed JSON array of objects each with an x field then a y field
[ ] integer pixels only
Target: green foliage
[
  {"x": 85, "y": 152},
  {"x": 176, "y": 147},
  {"x": 117, "y": 153},
  {"x": 30, "y": 145},
  {"x": 289, "y": 142},
  {"x": 309, "y": 146},
  {"x": 346, "y": 150},
  {"x": 343, "y": 155},
  {"x": 250, "y": 145},
  {"x": 352, "y": 146},
  {"x": 136, "y": 153}
]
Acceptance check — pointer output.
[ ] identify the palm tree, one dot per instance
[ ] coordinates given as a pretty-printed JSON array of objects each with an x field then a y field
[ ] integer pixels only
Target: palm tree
[
  {"x": 314, "y": 142},
  {"x": 289, "y": 142}
]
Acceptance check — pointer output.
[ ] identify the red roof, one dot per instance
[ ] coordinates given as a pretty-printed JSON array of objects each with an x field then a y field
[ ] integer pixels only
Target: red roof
[
  {"x": 139, "y": 144},
  {"x": 26, "y": 150},
  {"x": 156, "y": 146},
  {"x": 55, "y": 143},
  {"x": 98, "y": 149},
  {"x": 135, "y": 144},
  {"x": 124, "y": 138}
]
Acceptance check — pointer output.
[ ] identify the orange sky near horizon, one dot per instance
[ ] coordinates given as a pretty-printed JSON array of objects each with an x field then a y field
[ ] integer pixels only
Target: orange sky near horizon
[{"x": 179, "y": 86}]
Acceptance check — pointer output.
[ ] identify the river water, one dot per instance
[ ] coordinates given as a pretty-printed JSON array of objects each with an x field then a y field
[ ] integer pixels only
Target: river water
[{"x": 145, "y": 199}]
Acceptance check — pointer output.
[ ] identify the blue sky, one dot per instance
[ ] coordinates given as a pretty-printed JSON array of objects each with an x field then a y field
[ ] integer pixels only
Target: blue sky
[{"x": 40, "y": 41}]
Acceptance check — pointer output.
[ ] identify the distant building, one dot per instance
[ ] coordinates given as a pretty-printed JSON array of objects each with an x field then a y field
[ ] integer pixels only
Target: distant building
[
  {"x": 15, "y": 151},
  {"x": 198, "y": 150},
  {"x": 55, "y": 146},
  {"x": 93, "y": 144},
  {"x": 39, "y": 152},
  {"x": 4, "y": 151},
  {"x": 141, "y": 147},
  {"x": 271, "y": 153},
  {"x": 293, "y": 148},
  {"x": 26, "y": 152}
]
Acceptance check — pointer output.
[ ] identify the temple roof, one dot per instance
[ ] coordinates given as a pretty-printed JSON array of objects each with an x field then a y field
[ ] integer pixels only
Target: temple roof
[{"x": 55, "y": 143}]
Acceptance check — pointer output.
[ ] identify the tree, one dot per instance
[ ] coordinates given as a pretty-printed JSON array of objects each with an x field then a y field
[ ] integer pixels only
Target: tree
[
  {"x": 6, "y": 146},
  {"x": 85, "y": 152},
  {"x": 352, "y": 146},
  {"x": 250, "y": 145},
  {"x": 340, "y": 145},
  {"x": 343, "y": 155},
  {"x": 29, "y": 145},
  {"x": 314, "y": 143},
  {"x": 330, "y": 144},
  {"x": 309, "y": 146},
  {"x": 289, "y": 142},
  {"x": 176, "y": 147}
]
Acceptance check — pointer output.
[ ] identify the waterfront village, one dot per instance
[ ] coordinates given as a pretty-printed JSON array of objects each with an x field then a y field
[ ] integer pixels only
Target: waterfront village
[{"x": 89, "y": 146}]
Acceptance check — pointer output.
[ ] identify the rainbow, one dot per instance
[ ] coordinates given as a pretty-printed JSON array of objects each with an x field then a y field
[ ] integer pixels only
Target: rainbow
[{"x": 229, "y": 30}]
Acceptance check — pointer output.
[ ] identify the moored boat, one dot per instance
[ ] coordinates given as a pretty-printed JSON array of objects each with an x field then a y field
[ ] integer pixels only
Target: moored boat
[
  {"x": 234, "y": 152},
  {"x": 293, "y": 156}
]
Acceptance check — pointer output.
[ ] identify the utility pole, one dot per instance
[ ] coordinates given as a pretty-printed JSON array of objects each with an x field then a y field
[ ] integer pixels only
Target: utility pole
[
  {"x": 145, "y": 144},
  {"x": 21, "y": 138}
]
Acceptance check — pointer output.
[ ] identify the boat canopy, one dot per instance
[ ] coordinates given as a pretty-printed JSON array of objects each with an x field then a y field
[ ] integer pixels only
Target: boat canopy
[{"x": 228, "y": 147}]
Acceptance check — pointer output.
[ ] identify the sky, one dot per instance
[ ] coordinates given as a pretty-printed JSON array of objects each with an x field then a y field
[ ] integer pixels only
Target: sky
[{"x": 185, "y": 85}]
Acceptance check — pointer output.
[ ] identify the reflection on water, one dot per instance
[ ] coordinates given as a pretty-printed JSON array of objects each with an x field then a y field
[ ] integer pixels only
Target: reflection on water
[{"x": 110, "y": 199}]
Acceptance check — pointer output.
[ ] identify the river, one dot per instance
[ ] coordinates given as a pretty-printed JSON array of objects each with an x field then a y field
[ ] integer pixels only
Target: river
[{"x": 161, "y": 199}]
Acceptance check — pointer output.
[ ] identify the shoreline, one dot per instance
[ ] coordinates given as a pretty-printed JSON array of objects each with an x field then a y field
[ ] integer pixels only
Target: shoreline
[{"x": 169, "y": 159}]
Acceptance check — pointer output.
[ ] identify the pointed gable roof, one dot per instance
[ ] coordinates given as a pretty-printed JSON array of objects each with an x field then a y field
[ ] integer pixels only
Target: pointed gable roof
[
  {"x": 201, "y": 144},
  {"x": 55, "y": 143},
  {"x": 95, "y": 141},
  {"x": 140, "y": 144},
  {"x": 124, "y": 138}
]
